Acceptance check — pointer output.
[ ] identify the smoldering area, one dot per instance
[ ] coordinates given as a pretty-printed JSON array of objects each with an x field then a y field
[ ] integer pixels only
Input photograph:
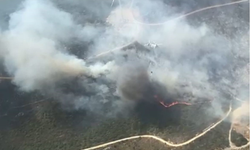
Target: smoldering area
[{"x": 57, "y": 50}]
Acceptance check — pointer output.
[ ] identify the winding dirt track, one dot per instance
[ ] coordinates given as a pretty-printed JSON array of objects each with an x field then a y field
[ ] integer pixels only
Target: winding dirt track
[
  {"x": 162, "y": 140},
  {"x": 232, "y": 146}
]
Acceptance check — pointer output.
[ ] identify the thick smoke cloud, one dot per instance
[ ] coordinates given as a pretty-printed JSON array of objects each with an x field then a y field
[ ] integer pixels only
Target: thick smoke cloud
[
  {"x": 33, "y": 55},
  {"x": 59, "y": 48}
]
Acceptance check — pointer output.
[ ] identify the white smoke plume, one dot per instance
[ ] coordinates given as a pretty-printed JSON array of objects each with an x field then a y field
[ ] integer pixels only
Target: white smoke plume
[{"x": 50, "y": 47}]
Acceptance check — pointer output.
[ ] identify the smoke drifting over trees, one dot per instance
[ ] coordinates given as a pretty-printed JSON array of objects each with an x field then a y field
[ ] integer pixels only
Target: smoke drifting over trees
[{"x": 59, "y": 48}]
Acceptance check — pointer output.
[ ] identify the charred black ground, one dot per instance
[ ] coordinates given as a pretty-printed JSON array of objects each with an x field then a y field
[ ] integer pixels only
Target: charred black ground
[{"x": 149, "y": 109}]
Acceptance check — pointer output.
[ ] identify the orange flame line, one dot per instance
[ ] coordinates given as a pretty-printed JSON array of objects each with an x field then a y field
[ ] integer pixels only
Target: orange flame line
[{"x": 171, "y": 104}]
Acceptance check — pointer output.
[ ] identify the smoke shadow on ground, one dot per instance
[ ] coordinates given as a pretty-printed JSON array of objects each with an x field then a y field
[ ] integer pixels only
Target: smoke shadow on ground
[
  {"x": 12, "y": 111},
  {"x": 148, "y": 108},
  {"x": 153, "y": 113}
]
